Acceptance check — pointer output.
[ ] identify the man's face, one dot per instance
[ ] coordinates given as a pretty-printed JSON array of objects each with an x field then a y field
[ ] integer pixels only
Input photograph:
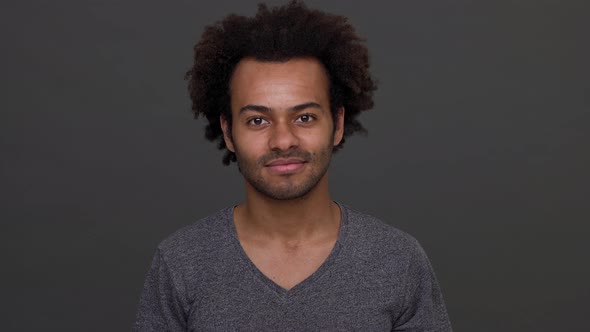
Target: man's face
[{"x": 282, "y": 130}]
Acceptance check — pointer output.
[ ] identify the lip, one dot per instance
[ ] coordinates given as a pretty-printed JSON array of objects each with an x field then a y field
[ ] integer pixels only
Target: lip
[
  {"x": 285, "y": 166},
  {"x": 288, "y": 161}
]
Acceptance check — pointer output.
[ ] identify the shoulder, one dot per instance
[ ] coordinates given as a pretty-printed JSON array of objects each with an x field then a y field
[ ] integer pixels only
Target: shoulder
[
  {"x": 374, "y": 232},
  {"x": 385, "y": 249},
  {"x": 201, "y": 240},
  {"x": 395, "y": 258}
]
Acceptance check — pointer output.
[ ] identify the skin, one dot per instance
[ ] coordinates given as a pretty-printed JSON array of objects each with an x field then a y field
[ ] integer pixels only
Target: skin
[{"x": 288, "y": 223}]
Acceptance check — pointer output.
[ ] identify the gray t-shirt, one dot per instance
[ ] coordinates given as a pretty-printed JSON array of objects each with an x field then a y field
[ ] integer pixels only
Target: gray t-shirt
[{"x": 377, "y": 278}]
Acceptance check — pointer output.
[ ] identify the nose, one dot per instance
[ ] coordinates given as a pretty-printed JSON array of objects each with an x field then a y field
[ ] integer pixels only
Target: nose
[{"x": 282, "y": 137}]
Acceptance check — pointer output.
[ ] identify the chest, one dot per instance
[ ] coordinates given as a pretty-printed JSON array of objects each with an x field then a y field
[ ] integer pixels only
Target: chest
[
  {"x": 344, "y": 294},
  {"x": 288, "y": 266},
  {"x": 337, "y": 300}
]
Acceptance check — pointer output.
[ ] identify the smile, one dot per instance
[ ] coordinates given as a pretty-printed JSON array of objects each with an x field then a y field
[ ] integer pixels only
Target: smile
[{"x": 285, "y": 166}]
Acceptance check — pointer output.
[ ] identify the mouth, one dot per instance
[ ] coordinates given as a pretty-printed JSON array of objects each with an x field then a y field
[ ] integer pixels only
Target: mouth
[{"x": 285, "y": 166}]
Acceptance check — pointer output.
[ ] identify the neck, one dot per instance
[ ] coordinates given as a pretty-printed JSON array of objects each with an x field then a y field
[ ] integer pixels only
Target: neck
[{"x": 289, "y": 220}]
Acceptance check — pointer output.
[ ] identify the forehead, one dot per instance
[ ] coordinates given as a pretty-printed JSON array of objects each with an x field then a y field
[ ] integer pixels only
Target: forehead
[{"x": 294, "y": 80}]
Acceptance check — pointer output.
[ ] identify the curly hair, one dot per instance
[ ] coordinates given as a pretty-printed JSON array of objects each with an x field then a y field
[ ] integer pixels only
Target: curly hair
[{"x": 277, "y": 35}]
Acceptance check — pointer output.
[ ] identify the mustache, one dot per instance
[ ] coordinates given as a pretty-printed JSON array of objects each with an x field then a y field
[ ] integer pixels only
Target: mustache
[{"x": 306, "y": 156}]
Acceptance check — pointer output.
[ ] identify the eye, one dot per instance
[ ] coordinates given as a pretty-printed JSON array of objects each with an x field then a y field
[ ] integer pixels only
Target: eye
[
  {"x": 305, "y": 118},
  {"x": 257, "y": 121}
]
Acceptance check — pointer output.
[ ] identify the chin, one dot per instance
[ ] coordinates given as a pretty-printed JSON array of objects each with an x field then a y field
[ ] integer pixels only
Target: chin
[{"x": 283, "y": 193}]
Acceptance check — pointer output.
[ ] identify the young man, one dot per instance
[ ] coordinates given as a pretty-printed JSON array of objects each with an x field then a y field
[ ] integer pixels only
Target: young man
[{"x": 281, "y": 91}]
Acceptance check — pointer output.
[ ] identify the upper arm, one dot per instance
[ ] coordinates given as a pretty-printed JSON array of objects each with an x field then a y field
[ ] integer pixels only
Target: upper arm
[
  {"x": 162, "y": 306},
  {"x": 424, "y": 308}
]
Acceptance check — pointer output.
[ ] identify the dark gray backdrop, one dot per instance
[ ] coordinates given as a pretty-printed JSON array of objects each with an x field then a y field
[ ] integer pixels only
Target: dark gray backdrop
[{"x": 478, "y": 146}]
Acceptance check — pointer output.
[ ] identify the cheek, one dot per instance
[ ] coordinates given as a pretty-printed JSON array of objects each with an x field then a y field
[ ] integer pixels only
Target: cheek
[
  {"x": 316, "y": 138},
  {"x": 249, "y": 146}
]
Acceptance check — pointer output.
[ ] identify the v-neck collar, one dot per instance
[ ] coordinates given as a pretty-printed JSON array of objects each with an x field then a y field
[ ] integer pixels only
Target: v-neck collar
[{"x": 305, "y": 283}]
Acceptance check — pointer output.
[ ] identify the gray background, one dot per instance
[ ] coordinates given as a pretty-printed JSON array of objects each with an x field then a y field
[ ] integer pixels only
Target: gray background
[{"x": 478, "y": 146}]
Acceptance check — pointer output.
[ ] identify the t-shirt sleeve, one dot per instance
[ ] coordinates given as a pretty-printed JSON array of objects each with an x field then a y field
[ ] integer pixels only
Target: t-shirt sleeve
[
  {"x": 424, "y": 308},
  {"x": 162, "y": 303}
]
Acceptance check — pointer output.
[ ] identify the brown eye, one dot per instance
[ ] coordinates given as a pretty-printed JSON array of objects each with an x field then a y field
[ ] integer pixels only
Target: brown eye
[
  {"x": 305, "y": 118},
  {"x": 257, "y": 121}
]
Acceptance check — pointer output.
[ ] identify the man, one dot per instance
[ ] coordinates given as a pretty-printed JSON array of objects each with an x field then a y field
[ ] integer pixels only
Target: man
[{"x": 281, "y": 91}]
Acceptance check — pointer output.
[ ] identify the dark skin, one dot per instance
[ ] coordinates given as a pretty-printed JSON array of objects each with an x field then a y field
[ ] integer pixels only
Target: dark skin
[
  {"x": 279, "y": 34},
  {"x": 283, "y": 134}
]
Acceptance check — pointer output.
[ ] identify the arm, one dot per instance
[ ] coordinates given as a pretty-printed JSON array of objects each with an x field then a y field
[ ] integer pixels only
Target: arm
[
  {"x": 163, "y": 302},
  {"x": 424, "y": 308}
]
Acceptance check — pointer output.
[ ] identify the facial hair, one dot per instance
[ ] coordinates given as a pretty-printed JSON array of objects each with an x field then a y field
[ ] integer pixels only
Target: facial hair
[{"x": 289, "y": 186}]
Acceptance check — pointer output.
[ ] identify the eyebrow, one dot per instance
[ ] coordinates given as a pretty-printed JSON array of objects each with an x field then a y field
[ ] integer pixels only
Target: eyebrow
[{"x": 296, "y": 108}]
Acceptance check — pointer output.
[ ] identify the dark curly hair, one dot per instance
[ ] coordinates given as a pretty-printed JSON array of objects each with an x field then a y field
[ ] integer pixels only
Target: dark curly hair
[{"x": 280, "y": 34}]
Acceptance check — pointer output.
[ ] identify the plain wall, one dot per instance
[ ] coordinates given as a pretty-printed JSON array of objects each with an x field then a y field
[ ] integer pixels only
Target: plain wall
[{"x": 478, "y": 146}]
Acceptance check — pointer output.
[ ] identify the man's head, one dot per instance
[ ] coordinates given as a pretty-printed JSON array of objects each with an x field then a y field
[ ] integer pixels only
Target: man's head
[
  {"x": 280, "y": 35},
  {"x": 282, "y": 130}
]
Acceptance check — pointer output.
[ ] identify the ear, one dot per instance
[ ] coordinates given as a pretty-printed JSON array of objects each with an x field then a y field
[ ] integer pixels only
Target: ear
[
  {"x": 339, "y": 129},
  {"x": 226, "y": 133}
]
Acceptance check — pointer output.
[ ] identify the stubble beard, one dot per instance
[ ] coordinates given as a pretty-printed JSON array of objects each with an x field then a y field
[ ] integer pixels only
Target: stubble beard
[{"x": 289, "y": 188}]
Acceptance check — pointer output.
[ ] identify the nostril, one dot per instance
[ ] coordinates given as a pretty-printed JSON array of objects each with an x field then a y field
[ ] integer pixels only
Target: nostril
[{"x": 283, "y": 138}]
